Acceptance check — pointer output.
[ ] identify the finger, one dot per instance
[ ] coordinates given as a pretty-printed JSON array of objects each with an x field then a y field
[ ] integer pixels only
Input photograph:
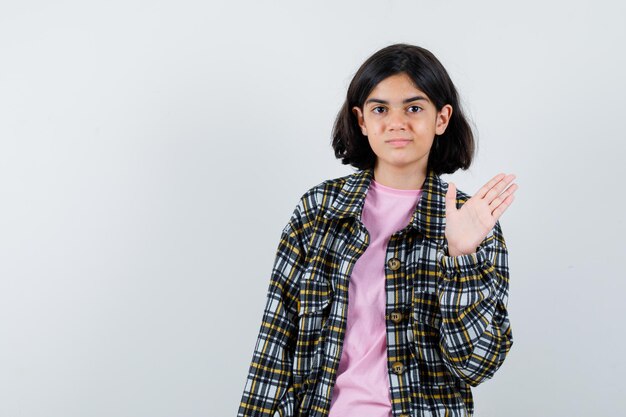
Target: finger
[
  {"x": 498, "y": 187},
  {"x": 492, "y": 182},
  {"x": 502, "y": 207},
  {"x": 498, "y": 200}
]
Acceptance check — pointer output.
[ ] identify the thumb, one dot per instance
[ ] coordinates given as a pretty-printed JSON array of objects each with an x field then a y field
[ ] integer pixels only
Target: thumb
[{"x": 451, "y": 197}]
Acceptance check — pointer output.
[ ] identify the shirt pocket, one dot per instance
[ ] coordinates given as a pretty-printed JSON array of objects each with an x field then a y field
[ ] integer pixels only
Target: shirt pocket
[
  {"x": 315, "y": 300},
  {"x": 425, "y": 336}
]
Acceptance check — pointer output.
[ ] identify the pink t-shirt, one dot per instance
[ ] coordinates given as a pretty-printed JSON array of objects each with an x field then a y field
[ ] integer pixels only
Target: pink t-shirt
[{"x": 362, "y": 387}]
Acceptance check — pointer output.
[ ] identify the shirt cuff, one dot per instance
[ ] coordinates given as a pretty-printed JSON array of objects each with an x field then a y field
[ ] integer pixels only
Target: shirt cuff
[{"x": 462, "y": 264}]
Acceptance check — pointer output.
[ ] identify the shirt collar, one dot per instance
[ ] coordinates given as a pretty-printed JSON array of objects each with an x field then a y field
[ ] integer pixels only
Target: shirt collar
[{"x": 428, "y": 217}]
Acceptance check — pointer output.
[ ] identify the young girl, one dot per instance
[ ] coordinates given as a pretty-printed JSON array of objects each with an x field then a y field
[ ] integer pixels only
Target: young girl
[{"x": 388, "y": 294}]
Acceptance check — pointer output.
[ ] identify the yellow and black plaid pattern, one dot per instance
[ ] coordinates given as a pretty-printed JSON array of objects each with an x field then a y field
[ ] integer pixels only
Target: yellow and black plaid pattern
[{"x": 454, "y": 332}]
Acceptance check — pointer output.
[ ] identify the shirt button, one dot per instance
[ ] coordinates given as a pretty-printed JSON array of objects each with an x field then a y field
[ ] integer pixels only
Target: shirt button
[
  {"x": 396, "y": 316},
  {"x": 393, "y": 263},
  {"x": 397, "y": 367}
]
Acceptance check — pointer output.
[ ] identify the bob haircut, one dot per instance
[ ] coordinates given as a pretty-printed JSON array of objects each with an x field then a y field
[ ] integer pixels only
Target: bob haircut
[{"x": 449, "y": 152}]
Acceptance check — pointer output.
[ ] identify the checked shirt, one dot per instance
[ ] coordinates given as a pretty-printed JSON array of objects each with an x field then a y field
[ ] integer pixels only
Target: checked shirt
[{"x": 446, "y": 316}]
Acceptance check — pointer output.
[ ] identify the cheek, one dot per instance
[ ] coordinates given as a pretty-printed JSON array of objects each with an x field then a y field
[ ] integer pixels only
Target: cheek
[
  {"x": 376, "y": 126},
  {"x": 424, "y": 128},
  {"x": 371, "y": 121}
]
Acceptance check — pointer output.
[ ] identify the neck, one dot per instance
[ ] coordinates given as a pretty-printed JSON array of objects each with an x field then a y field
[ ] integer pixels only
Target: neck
[{"x": 410, "y": 177}]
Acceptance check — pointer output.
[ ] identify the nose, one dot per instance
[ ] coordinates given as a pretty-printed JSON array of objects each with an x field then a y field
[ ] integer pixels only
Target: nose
[{"x": 397, "y": 120}]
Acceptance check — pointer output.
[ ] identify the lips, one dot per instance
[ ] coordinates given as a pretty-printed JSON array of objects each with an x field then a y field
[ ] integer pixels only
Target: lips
[{"x": 398, "y": 142}]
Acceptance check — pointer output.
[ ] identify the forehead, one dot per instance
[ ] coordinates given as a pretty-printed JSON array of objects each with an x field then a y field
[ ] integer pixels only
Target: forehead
[{"x": 396, "y": 87}]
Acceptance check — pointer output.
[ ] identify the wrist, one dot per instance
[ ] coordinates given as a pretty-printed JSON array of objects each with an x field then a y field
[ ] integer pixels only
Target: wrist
[{"x": 453, "y": 251}]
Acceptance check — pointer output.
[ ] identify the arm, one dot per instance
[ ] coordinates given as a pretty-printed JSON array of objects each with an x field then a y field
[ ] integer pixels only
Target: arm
[
  {"x": 473, "y": 293},
  {"x": 268, "y": 390}
]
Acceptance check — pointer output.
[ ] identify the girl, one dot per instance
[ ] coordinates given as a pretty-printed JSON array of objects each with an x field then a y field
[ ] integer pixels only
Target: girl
[{"x": 388, "y": 294}]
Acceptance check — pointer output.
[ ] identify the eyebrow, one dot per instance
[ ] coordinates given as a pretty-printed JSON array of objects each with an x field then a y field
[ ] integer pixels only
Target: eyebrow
[{"x": 408, "y": 100}]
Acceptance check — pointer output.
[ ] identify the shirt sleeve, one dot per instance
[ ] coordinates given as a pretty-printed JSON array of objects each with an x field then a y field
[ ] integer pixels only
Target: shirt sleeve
[
  {"x": 473, "y": 294},
  {"x": 269, "y": 389}
]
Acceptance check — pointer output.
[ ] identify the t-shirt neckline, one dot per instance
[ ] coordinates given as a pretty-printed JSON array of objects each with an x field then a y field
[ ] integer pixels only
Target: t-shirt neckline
[{"x": 390, "y": 190}]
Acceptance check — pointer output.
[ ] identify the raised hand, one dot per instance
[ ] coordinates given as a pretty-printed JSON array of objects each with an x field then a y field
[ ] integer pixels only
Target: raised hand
[{"x": 468, "y": 226}]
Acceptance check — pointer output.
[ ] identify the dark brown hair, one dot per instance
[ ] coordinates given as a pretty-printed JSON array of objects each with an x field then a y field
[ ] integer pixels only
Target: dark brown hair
[{"x": 450, "y": 151}]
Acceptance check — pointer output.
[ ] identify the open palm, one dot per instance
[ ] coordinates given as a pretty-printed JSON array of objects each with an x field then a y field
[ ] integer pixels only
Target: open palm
[{"x": 468, "y": 226}]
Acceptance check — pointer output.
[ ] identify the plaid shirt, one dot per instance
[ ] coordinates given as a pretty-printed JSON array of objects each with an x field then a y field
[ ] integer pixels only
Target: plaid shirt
[{"x": 446, "y": 316}]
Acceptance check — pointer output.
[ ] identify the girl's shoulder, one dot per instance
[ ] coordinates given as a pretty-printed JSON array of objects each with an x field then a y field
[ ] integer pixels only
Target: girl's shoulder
[
  {"x": 327, "y": 199},
  {"x": 334, "y": 193},
  {"x": 329, "y": 188}
]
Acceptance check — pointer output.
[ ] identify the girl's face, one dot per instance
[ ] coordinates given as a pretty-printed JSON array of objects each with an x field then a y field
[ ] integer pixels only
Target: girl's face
[{"x": 400, "y": 123}]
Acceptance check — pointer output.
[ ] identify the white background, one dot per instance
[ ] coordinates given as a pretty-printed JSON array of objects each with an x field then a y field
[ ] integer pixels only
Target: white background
[{"x": 151, "y": 153}]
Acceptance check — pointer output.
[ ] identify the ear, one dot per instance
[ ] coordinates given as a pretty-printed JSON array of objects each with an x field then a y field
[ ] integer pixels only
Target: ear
[
  {"x": 443, "y": 118},
  {"x": 359, "y": 116}
]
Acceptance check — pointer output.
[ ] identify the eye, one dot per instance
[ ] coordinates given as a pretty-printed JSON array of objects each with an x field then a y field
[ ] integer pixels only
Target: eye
[
  {"x": 378, "y": 109},
  {"x": 414, "y": 109}
]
